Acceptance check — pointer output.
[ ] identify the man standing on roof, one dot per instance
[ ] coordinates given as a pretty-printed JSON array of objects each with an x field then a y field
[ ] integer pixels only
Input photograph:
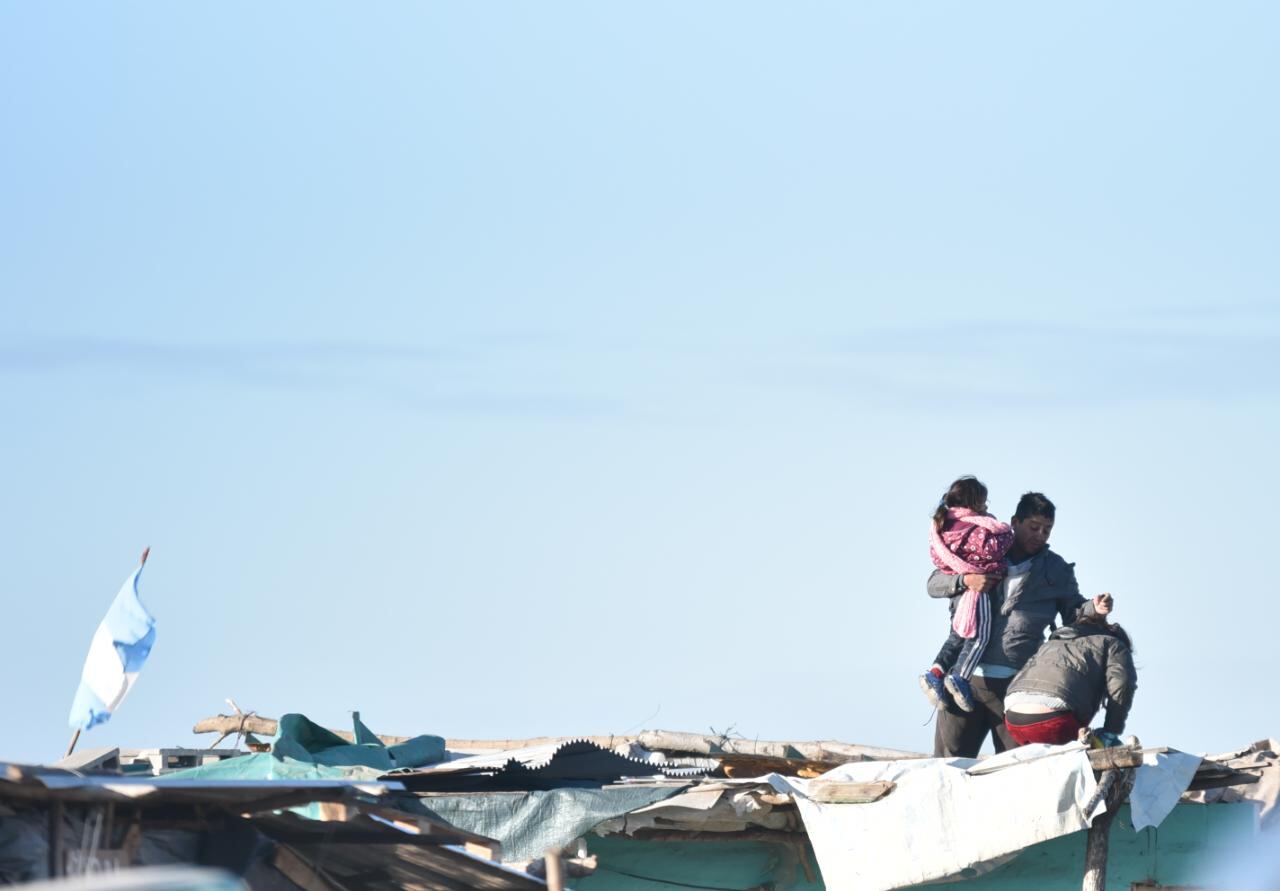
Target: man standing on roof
[{"x": 1037, "y": 587}]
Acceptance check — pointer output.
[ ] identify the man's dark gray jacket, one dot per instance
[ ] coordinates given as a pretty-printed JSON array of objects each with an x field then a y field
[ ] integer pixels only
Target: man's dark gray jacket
[
  {"x": 1081, "y": 664},
  {"x": 1018, "y": 624}
]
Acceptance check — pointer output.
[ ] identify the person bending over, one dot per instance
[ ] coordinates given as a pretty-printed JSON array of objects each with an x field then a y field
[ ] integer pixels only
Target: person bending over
[{"x": 1078, "y": 669}]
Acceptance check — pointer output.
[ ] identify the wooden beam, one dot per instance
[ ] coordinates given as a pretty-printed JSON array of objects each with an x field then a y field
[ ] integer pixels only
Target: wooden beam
[
  {"x": 824, "y": 751},
  {"x": 499, "y": 745},
  {"x": 747, "y": 766},
  {"x": 301, "y": 872},
  {"x": 838, "y": 792},
  {"x": 1116, "y": 757}
]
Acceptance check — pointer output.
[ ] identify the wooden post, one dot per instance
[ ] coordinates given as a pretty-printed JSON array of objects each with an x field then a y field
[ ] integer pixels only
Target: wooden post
[
  {"x": 555, "y": 871},
  {"x": 1095, "y": 853},
  {"x": 1113, "y": 789},
  {"x": 109, "y": 825},
  {"x": 55, "y": 840}
]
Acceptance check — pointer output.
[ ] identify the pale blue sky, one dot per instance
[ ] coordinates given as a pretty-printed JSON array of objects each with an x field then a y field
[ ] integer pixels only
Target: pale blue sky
[{"x": 515, "y": 369}]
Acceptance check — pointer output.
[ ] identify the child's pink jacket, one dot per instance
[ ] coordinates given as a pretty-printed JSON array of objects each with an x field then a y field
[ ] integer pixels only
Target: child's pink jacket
[{"x": 969, "y": 542}]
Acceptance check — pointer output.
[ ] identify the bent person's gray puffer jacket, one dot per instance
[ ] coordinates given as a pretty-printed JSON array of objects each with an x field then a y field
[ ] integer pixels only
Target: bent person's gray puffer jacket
[{"x": 1083, "y": 664}]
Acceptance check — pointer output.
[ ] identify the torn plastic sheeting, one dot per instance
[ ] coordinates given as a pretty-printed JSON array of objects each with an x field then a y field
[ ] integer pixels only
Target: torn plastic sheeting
[
  {"x": 270, "y": 766},
  {"x": 943, "y": 817},
  {"x": 529, "y": 823},
  {"x": 1158, "y": 784}
]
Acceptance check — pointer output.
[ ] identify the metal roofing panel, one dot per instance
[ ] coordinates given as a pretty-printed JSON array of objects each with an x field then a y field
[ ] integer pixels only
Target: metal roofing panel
[
  {"x": 28, "y": 783},
  {"x": 563, "y": 762}
]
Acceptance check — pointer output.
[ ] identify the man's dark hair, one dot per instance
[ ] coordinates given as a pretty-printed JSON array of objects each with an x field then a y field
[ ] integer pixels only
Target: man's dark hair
[{"x": 1033, "y": 504}]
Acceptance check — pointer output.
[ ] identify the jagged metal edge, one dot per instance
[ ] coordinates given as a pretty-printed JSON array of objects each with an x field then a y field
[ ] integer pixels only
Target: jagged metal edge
[{"x": 673, "y": 772}]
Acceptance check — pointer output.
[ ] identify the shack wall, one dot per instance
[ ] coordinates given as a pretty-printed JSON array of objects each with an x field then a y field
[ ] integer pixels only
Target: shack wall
[{"x": 1173, "y": 854}]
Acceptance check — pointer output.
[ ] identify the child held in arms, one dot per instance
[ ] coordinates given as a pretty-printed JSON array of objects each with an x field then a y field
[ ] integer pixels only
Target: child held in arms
[{"x": 964, "y": 540}]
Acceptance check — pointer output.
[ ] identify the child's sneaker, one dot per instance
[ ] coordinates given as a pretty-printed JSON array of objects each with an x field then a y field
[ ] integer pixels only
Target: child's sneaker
[
  {"x": 958, "y": 687},
  {"x": 933, "y": 688}
]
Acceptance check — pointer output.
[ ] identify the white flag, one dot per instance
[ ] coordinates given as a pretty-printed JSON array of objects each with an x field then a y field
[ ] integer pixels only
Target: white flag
[{"x": 117, "y": 652}]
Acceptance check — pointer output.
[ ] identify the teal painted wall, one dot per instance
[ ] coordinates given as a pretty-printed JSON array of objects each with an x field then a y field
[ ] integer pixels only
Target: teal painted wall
[
  {"x": 631, "y": 865},
  {"x": 1170, "y": 855}
]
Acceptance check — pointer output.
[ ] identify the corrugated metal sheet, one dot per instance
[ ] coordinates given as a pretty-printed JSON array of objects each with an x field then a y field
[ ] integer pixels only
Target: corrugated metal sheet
[{"x": 563, "y": 763}]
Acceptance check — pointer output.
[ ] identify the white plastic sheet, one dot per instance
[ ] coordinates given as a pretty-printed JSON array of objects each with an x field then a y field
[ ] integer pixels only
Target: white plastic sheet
[
  {"x": 1158, "y": 785},
  {"x": 945, "y": 816}
]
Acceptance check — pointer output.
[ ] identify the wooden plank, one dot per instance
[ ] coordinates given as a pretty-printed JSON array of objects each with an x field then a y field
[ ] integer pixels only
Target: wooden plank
[
  {"x": 746, "y": 766},
  {"x": 1215, "y": 779},
  {"x": 1115, "y": 757},
  {"x": 299, "y": 870},
  {"x": 824, "y": 751},
  {"x": 501, "y": 745},
  {"x": 840, "y": 792}
]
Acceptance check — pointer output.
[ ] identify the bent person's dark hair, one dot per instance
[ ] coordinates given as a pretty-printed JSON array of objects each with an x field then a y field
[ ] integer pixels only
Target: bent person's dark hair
[
  {"x": 1116, "y": 631},
  {"x": 1034, "y": 504},
  {"x": 1119, "y": 632},
  {"x": 964, "y": 492}
]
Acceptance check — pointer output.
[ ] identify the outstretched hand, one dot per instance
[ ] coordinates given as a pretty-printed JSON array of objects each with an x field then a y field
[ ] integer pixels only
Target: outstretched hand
[{"x": 1103, "y": 604}]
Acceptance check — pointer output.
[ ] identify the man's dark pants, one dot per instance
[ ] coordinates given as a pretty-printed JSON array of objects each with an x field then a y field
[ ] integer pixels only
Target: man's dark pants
[{"x": 958, "y": 734}]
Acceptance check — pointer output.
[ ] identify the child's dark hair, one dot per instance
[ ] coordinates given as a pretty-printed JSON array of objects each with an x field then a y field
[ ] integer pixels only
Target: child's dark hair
[
  {"x": 967, "y": 491},
  {"x": 1033, "y": 504}
]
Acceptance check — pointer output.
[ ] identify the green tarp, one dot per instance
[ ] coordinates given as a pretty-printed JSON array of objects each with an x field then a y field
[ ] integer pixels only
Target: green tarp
[
  {"x": 303, "y": 750},
  {"x": 302, "y": 739}
]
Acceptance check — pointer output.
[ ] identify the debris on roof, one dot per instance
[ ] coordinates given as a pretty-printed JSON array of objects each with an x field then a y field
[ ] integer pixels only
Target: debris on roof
[
  {"x": 1251, "y": 774},
  {"x": 325, "y": 810}
]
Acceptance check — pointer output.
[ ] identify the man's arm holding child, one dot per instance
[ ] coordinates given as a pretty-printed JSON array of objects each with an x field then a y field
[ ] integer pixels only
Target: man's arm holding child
[{"x": 946, "y": 584}]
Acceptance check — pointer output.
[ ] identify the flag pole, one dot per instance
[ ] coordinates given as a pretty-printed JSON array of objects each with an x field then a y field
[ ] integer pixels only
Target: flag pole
[{"x": 75, "y": 737}]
